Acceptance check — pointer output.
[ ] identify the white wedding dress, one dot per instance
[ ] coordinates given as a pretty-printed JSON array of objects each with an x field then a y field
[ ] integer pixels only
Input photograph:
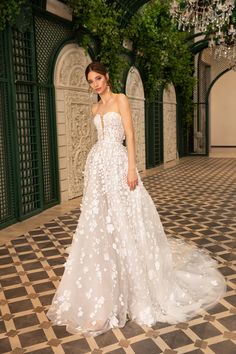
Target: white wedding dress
[{"x": 121, "y": 265}]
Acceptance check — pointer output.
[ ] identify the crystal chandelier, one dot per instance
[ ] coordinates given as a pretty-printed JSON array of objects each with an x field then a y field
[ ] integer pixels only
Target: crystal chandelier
[
  {"x": 225, "y": 36},
  {"x": 201, "y": 15},
  {"x": 226, "y": 52},
  {"x": 223, "y": 45}
]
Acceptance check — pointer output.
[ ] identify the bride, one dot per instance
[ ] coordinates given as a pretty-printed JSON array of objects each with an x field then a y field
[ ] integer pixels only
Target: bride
[{"x": 121, "y": 265}]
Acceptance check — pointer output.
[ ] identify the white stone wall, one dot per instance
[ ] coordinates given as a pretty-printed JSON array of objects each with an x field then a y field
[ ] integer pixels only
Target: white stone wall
[
  {"x": 135, "y": 93},
  {"x": 58, "y": 8},
  {"x": 76, "y": 132},
  {"x": 222, "y": 111},
  {"x": 169, "y": 124}
]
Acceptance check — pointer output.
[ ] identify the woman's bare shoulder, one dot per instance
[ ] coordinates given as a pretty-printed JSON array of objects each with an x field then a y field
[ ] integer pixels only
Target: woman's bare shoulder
[
  {"x": 122, "y": 99},
  {"x": 121, "y": 96}
]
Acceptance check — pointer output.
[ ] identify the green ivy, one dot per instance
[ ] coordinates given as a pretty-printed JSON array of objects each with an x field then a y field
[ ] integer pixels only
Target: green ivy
[
  {"x": 162, "y": 51},
  {"x": 9, "y": 10},
  {"x": 158, "y": 47},
  {"x": 102, "y": 21}
]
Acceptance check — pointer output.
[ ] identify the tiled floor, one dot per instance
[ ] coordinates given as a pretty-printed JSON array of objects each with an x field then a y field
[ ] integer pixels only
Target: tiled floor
[{"x": 196, "y": 200}]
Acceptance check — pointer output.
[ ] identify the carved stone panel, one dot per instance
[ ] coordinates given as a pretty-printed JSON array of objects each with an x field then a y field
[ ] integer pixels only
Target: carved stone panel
[
  {"x": 76, "y": 132},
  {"x": 169, "y": 124},
  {"x": 81, "y": 135},
  {"x": 71, "y": 66},
  {"x": 135, "y": 92}
]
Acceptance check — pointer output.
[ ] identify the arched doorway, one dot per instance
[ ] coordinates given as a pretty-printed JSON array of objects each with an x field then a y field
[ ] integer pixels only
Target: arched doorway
[
  {"x": 76, "y": 133},
  {"x": 222, "y": 122},
  {"x": 135, "y": 92},
  {"x": 210, "y": 69}
]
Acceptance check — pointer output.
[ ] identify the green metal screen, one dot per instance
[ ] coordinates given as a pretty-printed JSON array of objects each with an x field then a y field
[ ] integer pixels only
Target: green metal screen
[
  {"x": 7, "y": 197},
  {"x": 27, "y": 123},
  {"x": 28, "y": 144},
  {"x": 154, "y": 131},
  {"x": 53, "y": 33}
]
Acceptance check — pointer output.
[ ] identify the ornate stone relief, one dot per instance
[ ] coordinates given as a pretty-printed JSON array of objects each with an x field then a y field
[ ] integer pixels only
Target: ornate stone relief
[
  {"x": 81, "y": 135},
  {"x": 135, "y": 92},
  {"x": 75, "y": 128},
  {"x": 169, "y": 124},
  {"x": 71, "y": 70}
]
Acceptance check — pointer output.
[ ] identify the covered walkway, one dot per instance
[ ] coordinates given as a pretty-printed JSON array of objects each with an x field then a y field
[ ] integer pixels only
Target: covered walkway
[{"x": 196, "y": 199}]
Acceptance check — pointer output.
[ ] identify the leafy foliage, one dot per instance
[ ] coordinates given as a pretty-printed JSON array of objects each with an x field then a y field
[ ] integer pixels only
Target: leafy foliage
[
  {"x": 158, "y": 47},
  {"x": 102, "y": 21},
  {"x": 9, "y": 10},
  {"x": 162, "y": 51}
]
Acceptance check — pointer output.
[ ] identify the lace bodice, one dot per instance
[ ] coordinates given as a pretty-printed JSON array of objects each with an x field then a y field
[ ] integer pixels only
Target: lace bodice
[{"x": 109, "y": 127}]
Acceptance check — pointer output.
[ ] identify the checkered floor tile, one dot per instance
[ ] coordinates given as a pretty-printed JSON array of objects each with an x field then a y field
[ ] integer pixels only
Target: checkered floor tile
[{"x": 196, "y": 201}]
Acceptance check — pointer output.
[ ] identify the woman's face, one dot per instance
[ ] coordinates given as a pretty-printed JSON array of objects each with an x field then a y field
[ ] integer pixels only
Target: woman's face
[{"x": 97, "y": 82}]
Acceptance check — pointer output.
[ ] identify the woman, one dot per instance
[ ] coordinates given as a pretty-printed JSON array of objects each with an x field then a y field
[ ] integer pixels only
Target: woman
[{"x": 121, "y": 265}]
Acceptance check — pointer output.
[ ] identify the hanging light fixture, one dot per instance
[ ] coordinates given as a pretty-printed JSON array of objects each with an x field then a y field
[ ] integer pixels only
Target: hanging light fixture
[
  {"x": 200, "y": 15},
  {"x": 214, "y": 16},
  {"x": 223, "y": 45},
  {"x": 225, "y": 52},
  {"x": 224, "y": 37}
]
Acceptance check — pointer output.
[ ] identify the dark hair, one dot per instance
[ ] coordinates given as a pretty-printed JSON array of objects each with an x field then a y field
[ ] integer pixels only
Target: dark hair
[{"x": 98, "y": 68}]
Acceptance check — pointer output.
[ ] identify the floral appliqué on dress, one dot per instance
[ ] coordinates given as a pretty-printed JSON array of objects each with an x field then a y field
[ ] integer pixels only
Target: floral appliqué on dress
[{"x": 121, "y": 264}]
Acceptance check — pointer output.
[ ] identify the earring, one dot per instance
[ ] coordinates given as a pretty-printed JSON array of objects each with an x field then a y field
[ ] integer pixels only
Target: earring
[{"x": 108, "y": 88}]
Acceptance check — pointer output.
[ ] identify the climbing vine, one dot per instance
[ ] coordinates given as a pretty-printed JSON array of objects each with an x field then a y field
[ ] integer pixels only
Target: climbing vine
[
  {"x": 159, "y": 49},
  {"x": 162, "y": 51},
  {"x": 9, "y": 10},
  {"x": 101, "y": 20}
]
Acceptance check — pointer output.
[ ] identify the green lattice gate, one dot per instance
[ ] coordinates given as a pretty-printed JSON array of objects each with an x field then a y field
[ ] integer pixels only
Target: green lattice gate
[
  {"x": 7, "y": 196},
  {"x": 21, "y": 163},
  {"x": 154, "y": 131},
  {"x": 28, "y": 153},
  {"x": 28, "y": 144}
]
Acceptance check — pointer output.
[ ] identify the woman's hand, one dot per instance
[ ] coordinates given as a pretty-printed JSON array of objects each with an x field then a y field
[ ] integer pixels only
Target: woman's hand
[{"x": 132, "y": 179}]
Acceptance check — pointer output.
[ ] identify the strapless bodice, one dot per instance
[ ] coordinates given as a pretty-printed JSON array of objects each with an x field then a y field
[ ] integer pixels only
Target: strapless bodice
[{"x": 109, "y": 127}]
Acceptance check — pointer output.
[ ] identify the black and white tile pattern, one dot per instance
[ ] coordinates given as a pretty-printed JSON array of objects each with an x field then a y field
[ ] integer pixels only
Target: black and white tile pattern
[{"x": 196, "y": 200}]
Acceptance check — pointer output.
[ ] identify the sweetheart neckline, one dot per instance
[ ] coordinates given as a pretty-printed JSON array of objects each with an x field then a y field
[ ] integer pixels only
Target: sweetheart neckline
[{"x": 98, "y": 114}]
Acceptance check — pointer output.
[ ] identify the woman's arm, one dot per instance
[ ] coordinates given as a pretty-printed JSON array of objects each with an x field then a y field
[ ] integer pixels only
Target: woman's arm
[{"x": 125, "y": 112}]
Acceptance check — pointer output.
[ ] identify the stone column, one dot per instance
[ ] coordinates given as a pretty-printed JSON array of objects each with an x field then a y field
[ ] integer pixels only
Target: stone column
[
  {"x": 169, "y": 124},
  {"x": 135, "y": 92}
]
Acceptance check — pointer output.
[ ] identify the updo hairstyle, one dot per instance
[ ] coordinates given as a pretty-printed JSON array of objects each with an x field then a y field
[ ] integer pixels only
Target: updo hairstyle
[{"x": 98, "y": 68}]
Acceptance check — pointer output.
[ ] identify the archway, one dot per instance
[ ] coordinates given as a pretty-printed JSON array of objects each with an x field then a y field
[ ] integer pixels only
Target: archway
[
  {"x": 222, "y": 122},
  {"x": 210, "y": 69},
  {"x": 76, "y": 133}
]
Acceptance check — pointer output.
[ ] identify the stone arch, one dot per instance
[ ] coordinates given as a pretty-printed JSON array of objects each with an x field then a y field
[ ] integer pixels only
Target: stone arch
[
  {"x": 209, "y": 69},
  {"x": 222, "y": 124},
  {"x": 169, "y": 124},
  {"x": 135, "y": 92},
  {"x": 76, "y": 133}
]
